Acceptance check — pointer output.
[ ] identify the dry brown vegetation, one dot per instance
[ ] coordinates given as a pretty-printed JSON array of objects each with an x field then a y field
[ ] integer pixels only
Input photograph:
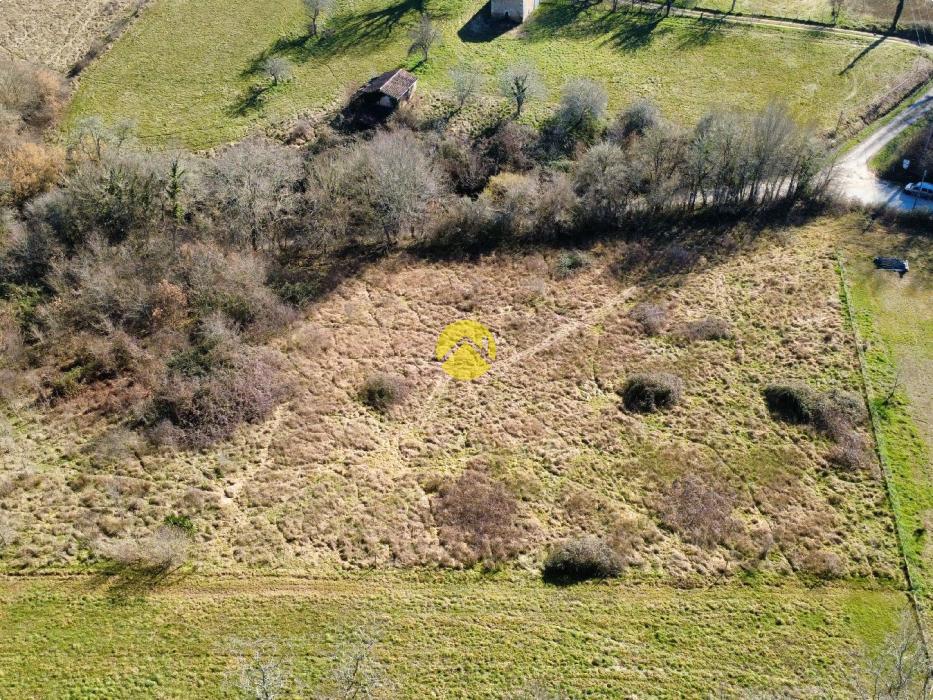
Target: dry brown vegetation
[
  {"x": 31, "y": 100},
  {"x": 535, "y": 451},
  {"x": 56, "y": 33}
]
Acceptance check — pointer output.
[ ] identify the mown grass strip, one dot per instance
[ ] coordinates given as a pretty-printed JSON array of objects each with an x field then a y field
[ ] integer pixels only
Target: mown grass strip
[
  {"x": 899, "y": 447},
  {"x": 456, "y": 635}
]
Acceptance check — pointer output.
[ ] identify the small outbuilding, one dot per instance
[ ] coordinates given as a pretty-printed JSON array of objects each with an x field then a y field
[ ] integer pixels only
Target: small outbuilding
[
  {"x": 514, "y": 10},
  {"x": 390, "y": 89}
]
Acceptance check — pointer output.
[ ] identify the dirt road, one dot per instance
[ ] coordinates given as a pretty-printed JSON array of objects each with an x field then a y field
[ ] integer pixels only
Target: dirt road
[{"x": 856, "y": 180}]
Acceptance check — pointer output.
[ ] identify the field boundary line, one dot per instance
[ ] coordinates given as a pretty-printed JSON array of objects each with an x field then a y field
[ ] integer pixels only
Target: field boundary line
[{"x": 883, "y": 461}]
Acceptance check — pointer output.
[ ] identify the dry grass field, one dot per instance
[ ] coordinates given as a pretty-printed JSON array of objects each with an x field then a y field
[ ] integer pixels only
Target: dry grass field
[
  {"x": 332, "y": 514},
  {"x": 56, "y": 33},
  {"x": 329, "y": 482}
]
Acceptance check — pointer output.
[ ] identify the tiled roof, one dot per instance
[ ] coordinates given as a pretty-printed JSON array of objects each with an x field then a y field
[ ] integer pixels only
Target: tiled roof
[{"x": 394, "y": 83}]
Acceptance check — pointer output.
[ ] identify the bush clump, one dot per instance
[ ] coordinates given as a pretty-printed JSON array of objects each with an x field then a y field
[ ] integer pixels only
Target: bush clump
[
  {"x": 710, "y": 328},
  {"x": 580, "y": 559},
  {"x": 823, "y": 564},
  {"x": 382, "y": 391},
  {"x": 570, "y": 263},
  {"x": 835, "y": 411},
  {"x": 651, "y": 317},
  {"x": 646, "y": 393},
  {"x": 699, "y": 513},
  {"x": 164, "y": 550},
  {"x": 197, "y": 411},
  {"x": 478, "y": 519},
  {"x": 794, "y": 402}
]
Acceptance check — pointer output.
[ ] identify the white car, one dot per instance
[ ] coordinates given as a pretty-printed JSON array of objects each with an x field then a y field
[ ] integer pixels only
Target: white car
[{"x": 920, "y": 189}]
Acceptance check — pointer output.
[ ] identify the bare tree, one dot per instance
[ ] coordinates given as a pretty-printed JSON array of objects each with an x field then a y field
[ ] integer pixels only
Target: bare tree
[
  {"x": 262, "y": 671},
  {"x": 424, "y": 36},
  {"x": 92, "y": 139},
  {"x": 252, "y": 186},
  {"x": 394, "y": 180},
  {"x": 835, "y": 8},
  {"x": 602, "y": 180},
  {"x": 521, "y": 83},
  {"x": 317, "y": 8},
  {"x": 359, "y": 675},
  {"x": 898, "y": 669},
  {"x": 278, "y": 69},
  {"x": 636, "y": 119},
  {"x": 582, "y": 103},
  {"x": 466, "y": 83}
]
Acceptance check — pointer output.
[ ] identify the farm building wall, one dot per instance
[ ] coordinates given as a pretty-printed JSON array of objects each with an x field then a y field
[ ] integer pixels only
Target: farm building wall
[{"x": 517, "y": 10}]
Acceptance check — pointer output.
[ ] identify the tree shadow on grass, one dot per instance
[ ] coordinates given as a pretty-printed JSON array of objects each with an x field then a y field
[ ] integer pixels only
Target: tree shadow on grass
[
  {"x": 863, "y": 53},
  {"x": 343, "y": 33},
  {"x": 625, "y": 29},
  {"x": 483, "y": 27},
  {"x": 703, "y": 31},
  {"x": 250, "y": 102},
  {"x": 124, "y": 584}
]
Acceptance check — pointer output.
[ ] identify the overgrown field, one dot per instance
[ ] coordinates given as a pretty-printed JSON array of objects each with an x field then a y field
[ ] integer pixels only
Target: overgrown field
[
  {"x": 181, "y": 84},
  {"x": 791, "y": 563},
  {"x": 56, "y": 33},
  {"x": 453, "y": 636},
  {"x": 330, "y": 482}
]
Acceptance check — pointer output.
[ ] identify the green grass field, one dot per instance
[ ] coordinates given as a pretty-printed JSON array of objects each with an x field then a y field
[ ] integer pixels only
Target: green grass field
[
  {"x": 183, "y": 73},
  {"x": 895, "y": 318},
  {"x": 460, "y": 635}
]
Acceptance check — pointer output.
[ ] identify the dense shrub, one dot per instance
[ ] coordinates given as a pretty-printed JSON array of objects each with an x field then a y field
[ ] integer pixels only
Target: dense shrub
[
  {"x": 35, "y": 96},
  {"x": 835, "y": 411},
  {"x": 242, "y": 387},
  {"x": 115, "y": 199},
  {"x": 710, "y": 328},
  {"x": 635, "y": 120},
  {"x": 845, "y": 406},
  {"x": 580, "y": 559},
  {"x": 570, "y": 263},
  {"x": 510, "y": 146},
  {"x": 477, "y": 519},
  {"x": 182, "y": 522},
  {"x": 651, "y": 317},
  {"x": 163, "y": 551},
  {"x": 645, "y": 393},
  {"x": 30, "y": 169},
  {"x": 699, "y": 513},
  {"x": 382, "y": 391},
  {"x": 467, "y": 168},
  {"x": 850, "y": 452},
  {"x": 823, "y": 564},
  {"x": 794, "y": 402}
]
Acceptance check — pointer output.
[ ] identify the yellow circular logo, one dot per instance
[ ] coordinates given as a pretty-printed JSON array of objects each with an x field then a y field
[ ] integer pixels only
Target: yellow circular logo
[{"x": 467, "y": 349}]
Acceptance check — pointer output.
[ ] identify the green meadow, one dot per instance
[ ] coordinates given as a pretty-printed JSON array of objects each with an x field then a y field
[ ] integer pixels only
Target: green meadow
[
  {"x": 187, "y": 72},
  {"x": 456, "y": 635}
]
